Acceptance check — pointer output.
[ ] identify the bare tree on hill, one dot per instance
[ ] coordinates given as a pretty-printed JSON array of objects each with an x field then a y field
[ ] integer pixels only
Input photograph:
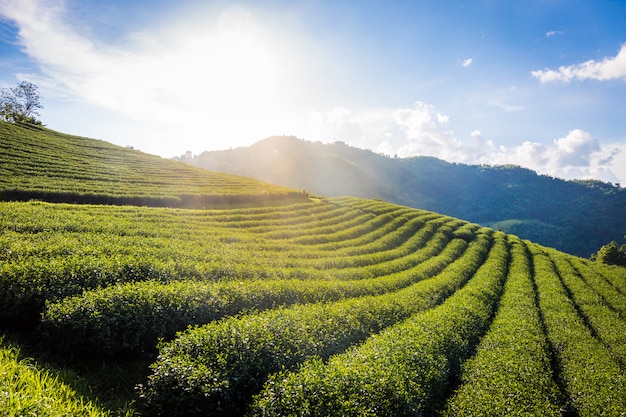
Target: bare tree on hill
[{"x": 20, "y": 104}]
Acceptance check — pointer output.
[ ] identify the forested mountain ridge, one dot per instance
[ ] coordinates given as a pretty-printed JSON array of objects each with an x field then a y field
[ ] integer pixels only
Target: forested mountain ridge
[{"x": 572, "y": 216}]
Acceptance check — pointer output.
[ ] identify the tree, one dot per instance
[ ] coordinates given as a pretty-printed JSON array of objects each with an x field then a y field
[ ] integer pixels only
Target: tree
[
  {"x": 20, "y": 104},
  {"x": 611, "y": 254}
]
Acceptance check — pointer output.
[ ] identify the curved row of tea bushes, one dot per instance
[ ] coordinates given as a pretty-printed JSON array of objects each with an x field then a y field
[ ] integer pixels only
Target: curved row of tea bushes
[
  {"x": 354, "y": 221},
  {"x": 606, "y": 323},
  {"x": 26, "y": 390},
  {"x": 358, "y": 264},
  {"x": 615, "y": 275},
  {"x": 594, "y": 383},
  {"x": 26, "y": 284},
  {"x": 391, "y": 235},
  {"x": 130, "y": 318},
  {"x": 400, "y": 227},
  {"x": 615, "y": 299},
  {"x": 405, "y": 370},
  {"x": 19, "y": 248},
  {"x": 409, "y": 255},
  {"x": 377, "y": 207},
  {"x": 343, "y": 233},
  {"x": 37, "y": 217},
  {"x": 510, "y": 374},
  {"x": 46, "y": 264},
  {"x": 212, "y": 370},
  {"x": 336, "y": 217}
]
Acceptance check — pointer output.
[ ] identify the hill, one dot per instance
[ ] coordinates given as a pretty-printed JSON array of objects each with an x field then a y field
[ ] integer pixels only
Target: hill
[
  {"x": 573, "y": 216},
  {"x": 38, "y": 163},
  {"x": 339, "y": 306}
]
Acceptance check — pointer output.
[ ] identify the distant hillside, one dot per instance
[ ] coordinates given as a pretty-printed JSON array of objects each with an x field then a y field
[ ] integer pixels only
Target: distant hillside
[
  {"x": 572, "y": 216},
  {"x": 38, "y": 163}
]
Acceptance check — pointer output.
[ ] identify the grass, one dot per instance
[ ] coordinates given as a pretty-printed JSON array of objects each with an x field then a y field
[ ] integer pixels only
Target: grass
[{"x": 28, "y": 389}]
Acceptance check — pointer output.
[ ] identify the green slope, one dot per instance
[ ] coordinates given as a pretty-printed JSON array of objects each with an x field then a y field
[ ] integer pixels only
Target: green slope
[
  {"x": 339, "y": 306},
  {"x": 37, "y": 163}
]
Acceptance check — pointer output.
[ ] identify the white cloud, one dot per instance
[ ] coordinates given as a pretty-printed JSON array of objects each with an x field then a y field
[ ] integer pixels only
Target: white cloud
[
  {"x": 578, "y": 155},
  {"x": 166, "y": 78},
  {"x": 576, "y": 149},
  {"x": 405, "y": 132},
  {"x": 426, "y": 133},
  {"x": 337, "y": 124},
  {"x": 607, "y": 69},
  {"x": 467, "y": 62},
  {"x": 552, "y": 33},
  {"x": 506, "y": 107},
  {"x": 422, "y": 131}
]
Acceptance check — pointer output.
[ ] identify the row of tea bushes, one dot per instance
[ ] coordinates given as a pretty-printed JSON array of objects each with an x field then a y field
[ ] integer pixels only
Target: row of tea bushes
[
  {"x": 594, "y": 383},
  {"x": 405, "y": 370},
  {"x": 131, "y": 317},
  {"x": 212, "y": 370},
  {"x": 47, "y": 256},
  {"x": 604, "y": 321},
  {"x": 511, "y": 372}
]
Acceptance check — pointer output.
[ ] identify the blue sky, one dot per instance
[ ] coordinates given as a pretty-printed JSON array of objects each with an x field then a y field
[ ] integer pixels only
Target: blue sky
[{"x": 540, "y": 84}]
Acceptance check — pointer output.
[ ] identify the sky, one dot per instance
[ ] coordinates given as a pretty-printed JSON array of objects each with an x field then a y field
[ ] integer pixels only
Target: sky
[{"x": 535, "y": 83}]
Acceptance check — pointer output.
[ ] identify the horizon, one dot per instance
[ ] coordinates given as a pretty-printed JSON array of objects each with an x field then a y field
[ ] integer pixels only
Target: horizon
[{"x": 539, "y": 85}]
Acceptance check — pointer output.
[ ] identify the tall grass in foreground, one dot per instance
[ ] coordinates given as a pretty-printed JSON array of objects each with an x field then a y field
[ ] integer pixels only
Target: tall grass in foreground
[{"x": 26, "y": 390}]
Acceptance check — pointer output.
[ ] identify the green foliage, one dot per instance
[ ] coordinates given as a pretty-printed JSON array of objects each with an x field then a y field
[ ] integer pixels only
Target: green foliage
[
  {"x": 611, "y": 254},
  {"x": 130, "y": 318},
  {"x": 26, "y": 390},
  {"x": 20, "y": 104},
  {"x": 594, "y": 382},
  {"x": 212, "y": 370},
  {"x": 52, "y": 252},
  {"x": 605, "y": 321}
]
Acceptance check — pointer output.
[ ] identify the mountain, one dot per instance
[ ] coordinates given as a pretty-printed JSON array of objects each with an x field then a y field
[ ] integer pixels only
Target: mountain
[
  {"x": 573, "y": 216},
  {"x": 38, "y": 163}
]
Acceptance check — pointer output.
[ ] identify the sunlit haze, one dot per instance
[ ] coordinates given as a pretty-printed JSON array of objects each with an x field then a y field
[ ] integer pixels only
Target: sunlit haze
[{"x": 540, "y": 84}]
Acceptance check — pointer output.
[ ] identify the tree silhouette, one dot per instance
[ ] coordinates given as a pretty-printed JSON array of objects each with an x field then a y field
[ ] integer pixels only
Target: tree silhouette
[{"x": 20, "y": 104}]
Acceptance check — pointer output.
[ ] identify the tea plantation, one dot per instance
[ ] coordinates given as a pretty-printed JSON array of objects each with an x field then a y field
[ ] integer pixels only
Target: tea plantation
[
  {"x": 37, "y": 163},
  {"x": 313, "y": 307},
  {"x": 331, "y": 307}
]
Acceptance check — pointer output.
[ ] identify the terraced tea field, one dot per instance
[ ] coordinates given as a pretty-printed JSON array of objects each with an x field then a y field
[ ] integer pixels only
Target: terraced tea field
[
  {"x": 37, "y": 163},
  {"x": 340, "y": 306}
]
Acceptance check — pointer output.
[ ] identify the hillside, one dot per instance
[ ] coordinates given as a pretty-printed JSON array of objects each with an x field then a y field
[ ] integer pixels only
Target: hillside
[
  {"x": 339, "y": 306},
  {"x": 573, "y": 216},
  {"x": 37, "y": 163}
]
